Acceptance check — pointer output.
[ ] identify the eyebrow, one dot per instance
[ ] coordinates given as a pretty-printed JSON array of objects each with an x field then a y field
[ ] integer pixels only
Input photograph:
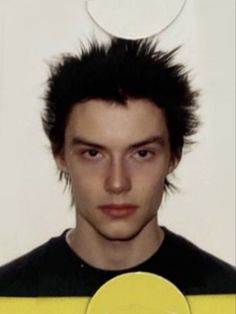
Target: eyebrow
[{"x": 151, "y": 140}]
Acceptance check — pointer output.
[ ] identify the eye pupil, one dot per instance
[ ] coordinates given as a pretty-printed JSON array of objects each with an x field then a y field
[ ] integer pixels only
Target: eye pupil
[
  {"x": 93, "y": 152},
  {"x": 143, "y": 153}
]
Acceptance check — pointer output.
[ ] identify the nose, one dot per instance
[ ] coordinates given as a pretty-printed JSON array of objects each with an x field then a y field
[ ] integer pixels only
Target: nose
[{"x": 117, "y": 180}]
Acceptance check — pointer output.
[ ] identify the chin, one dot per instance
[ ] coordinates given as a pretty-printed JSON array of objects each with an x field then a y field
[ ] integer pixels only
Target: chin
[{"x": 119, "y": 236}]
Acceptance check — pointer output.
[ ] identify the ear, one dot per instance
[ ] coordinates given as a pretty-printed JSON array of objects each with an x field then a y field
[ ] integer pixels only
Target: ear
[
  {"x": 174, "y": 161},
  {"x": 61, "y": 162}
]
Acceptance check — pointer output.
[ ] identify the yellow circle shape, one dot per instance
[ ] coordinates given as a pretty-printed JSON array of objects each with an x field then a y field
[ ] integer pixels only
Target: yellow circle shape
[{"x": 138, "y": 293}]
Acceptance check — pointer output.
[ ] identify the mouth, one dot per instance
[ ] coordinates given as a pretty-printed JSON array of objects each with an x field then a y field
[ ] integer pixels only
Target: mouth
[{"x": 119, "y": 210}]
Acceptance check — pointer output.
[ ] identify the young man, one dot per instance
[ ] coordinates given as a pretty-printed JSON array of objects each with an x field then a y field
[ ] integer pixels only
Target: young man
[{"x": 118, "y": 117}]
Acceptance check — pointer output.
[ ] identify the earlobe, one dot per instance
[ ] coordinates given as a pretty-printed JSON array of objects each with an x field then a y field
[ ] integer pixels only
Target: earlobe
[
  {"x": 61, "y": 163},
  {"x": 173, "y": 164}
]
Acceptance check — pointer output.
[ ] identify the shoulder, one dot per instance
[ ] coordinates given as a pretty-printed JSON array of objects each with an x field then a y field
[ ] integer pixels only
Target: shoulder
[
  {"x": 22, "y": 274},
  {"x": 209, "y": 274}
]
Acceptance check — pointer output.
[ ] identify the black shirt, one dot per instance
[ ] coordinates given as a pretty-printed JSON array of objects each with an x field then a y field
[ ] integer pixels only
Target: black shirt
[{"x": 53, "y": 269}]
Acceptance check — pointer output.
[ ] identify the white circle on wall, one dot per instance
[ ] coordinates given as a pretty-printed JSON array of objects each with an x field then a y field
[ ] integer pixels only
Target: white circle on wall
[{"x": 134, "y": 19}]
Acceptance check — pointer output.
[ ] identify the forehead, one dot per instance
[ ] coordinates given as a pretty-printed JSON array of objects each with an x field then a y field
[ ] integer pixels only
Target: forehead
[{"x": 110, "y": 122}]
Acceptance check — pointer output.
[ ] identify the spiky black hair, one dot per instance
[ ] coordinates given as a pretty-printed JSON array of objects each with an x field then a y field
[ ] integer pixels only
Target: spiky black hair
[{"x": 117, "y": 71}]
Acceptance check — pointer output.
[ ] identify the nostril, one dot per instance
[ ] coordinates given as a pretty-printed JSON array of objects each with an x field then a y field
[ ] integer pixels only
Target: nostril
[{"x": 117, "y": 181}]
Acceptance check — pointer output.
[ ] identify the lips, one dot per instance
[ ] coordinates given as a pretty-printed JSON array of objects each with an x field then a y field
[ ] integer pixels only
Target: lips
[{"x": 118, "y": 210}]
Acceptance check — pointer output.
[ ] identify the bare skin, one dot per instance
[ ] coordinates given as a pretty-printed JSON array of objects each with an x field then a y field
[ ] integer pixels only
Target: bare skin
[{"x": 116, "y": 155}]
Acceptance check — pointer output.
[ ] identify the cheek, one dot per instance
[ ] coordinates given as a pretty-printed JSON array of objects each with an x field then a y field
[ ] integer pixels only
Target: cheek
[
  {"x": 152, "y": 174},
  {"x": 149, "y": 183},
  {"x": 152, "y": 189},
  {"x": 85, "y": 185},
  {"x": 86, "y": 182},
  {"x": 85, "y": 191}
]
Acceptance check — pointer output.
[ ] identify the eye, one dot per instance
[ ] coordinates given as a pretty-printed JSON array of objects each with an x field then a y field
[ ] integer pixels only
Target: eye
[
  {"x": 143, "y": 154},
  {"x": 91, "y": 154}
]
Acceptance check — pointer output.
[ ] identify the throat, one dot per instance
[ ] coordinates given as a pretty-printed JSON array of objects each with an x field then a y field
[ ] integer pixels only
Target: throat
[
  {"x": 123, "y": 255},
  {"x": 115, "y": 255}
]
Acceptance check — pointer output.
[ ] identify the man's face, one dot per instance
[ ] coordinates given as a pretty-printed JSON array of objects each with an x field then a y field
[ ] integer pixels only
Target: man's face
[{"x": 116, "y": 155}]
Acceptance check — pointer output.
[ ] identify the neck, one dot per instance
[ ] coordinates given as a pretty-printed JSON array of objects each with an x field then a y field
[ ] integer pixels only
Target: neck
[{"x": 107, "y": 254}]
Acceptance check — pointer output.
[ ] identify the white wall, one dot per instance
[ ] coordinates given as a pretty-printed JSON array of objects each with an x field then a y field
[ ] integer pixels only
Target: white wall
[{"x": 33, "y": 206}]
